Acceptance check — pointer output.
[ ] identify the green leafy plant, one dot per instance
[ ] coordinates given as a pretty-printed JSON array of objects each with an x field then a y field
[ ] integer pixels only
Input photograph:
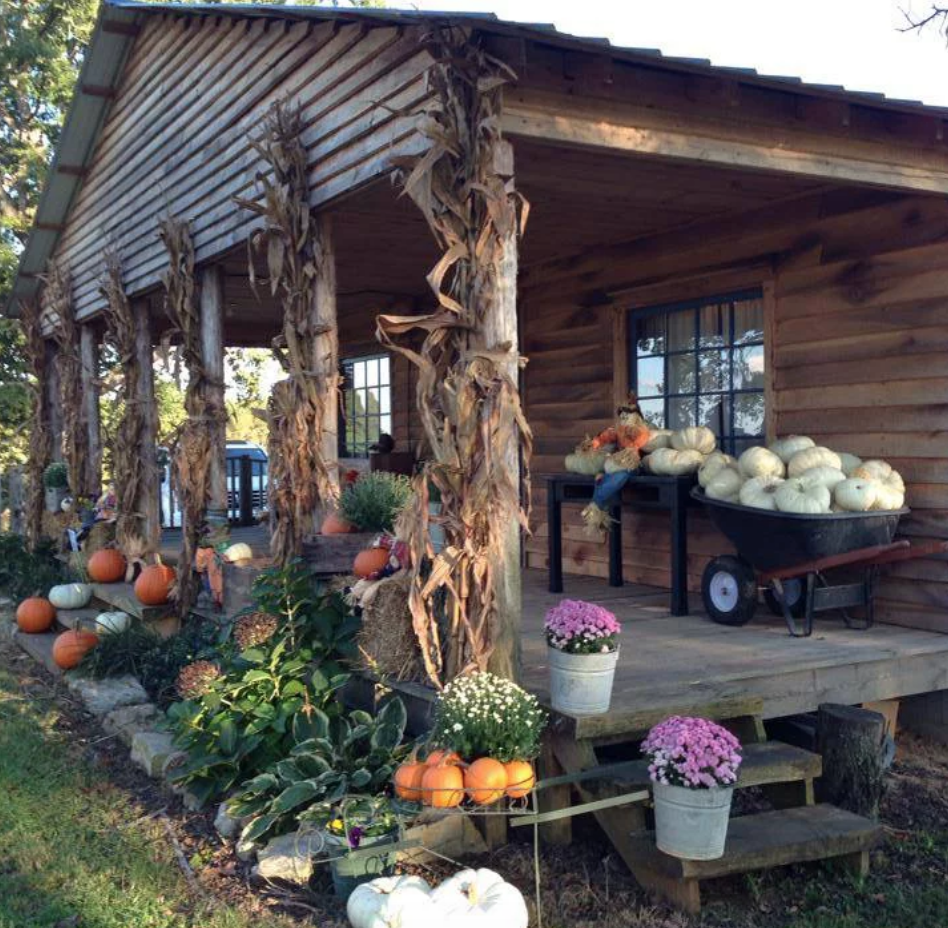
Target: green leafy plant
[
  {"x": 29, "y": 573},
  {"x": 340, "y": 756},
  {"x": 119, "y": 653},
  {"x": 373, "y": 502},
  {"x": 56, "y": 476},
  {"x": 356, "y": 818}
]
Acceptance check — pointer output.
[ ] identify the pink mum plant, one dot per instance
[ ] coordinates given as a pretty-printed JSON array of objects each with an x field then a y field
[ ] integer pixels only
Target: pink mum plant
[
  {"x": 578, "y": 627},
  {"x": 694, "y": 753}
]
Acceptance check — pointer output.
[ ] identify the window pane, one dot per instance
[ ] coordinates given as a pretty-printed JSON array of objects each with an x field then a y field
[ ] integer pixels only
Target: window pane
[
  {"x": 386, "y": 424},
  {"x": 748, "y": 321},
  {"x": 385, "y": 400},
  {"x": 681, "y": 412},
  {"x": 373, "y": 401},
  {"x": 681, "y": 330},
  {"x": 740, "y": 445},
  {"x": 371, "y": 372},
  {"x": 713, "y": 323},
  {"x": 358, "y": 375},
  {"x": 681, "y": 373},
  {"x": 650, "y": 335},
  {"x": 713, "y": 370},
  {"x": 749, "y": 368},
  {"x": 384, "y": 371},
  {"x": 715, "y": 413},
  {"x": 749, "y": 414},
  {"x": 654, "y": 412},
  {"x": 650, "y": 376}
]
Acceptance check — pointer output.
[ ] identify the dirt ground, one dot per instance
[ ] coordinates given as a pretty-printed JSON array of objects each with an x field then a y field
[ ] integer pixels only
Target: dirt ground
[{"x": 586, "y": 885}]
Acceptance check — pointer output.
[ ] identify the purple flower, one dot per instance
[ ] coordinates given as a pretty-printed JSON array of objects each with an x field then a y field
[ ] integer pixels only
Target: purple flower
[
  {"x": 355, "y": 837},
  {"x": 692, "y": 752},
  {"x": 576, "y": 625}
]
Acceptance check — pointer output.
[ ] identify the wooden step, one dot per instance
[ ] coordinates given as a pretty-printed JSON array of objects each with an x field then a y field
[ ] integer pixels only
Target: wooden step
[
  {"x": 121, "y": 597},
  {"x": 769, "y": 839},
  {"x": 40, "y": 648},
  {"x": 74, "y": 618}
]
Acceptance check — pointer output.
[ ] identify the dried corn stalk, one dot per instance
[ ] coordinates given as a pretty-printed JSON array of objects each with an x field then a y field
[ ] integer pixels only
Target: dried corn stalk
[
  {"x": 41, "y": 445},
  {"x": 127, "y": 450},
  {"x": 301, "y": 410},
  {"x": 191, "y": 446},
  {"x": 69, "y": 358},
  {"x": 467, "y": 390}
]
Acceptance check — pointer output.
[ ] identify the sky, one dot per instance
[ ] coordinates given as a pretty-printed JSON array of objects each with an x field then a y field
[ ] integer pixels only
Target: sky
[{"x": 856, "y": 43}]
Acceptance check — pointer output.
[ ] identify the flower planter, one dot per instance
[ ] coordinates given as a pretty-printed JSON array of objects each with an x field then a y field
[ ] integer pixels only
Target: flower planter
[
  {"x": 349, "y": 872},
  {"x": 581, "y": 684},
  {"x": 54, "y": 497},
  {"x": 692, "y": 823}
]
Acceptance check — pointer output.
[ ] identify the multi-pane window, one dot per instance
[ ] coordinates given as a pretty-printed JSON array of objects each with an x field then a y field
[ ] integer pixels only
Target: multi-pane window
[
  {"x": 702, "y": 363},
  {"x": 368, "y": 403}
]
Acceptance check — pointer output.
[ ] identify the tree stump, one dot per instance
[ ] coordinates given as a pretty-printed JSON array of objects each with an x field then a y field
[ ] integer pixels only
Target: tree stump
[{"x": 852, "y": 743}]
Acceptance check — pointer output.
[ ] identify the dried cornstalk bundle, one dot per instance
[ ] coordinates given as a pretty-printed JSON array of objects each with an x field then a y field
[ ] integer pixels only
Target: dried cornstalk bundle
[
  {"x": 467, "y": 390},
  {"x": 302, "y": 475},
  {"x": 69, "y": 358},
  {"x": 191, "y": 445},
  {"x": 41, "y": 445},
  {"x": 127, "y": 450}
]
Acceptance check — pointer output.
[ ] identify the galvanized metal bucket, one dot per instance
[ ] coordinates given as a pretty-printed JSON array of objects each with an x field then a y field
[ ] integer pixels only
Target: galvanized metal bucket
[
  {"x": 691, "y": 823},
  {"x": 581, "y": 684}
]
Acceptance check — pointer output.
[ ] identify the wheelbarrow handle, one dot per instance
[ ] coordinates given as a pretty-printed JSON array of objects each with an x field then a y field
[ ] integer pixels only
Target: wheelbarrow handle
[{"x": 862, "y": 556}]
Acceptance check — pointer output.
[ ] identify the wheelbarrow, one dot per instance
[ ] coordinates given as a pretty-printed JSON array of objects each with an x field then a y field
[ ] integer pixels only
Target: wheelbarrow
[{"x": 788, "y": 555}]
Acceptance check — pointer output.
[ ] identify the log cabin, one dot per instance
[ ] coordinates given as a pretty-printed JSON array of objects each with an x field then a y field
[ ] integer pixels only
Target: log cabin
[{"x": 745, "y": 251}]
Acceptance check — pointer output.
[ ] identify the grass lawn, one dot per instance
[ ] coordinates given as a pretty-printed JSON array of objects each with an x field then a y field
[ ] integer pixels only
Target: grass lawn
[{"x": 74, "y": 850}]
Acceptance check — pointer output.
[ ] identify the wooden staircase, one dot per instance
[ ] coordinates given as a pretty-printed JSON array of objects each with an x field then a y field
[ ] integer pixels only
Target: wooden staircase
[{"x": 796, "y": 830}]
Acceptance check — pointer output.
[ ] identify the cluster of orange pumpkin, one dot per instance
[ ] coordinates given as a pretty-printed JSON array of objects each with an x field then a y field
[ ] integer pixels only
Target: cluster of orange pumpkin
[
  {"x": 443, "y": 781},
  {"x": 369, "y": 561}
]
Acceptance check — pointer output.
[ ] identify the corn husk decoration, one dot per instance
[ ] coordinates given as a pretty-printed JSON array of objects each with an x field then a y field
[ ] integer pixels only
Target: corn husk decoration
[
  {"x": 588, "y": 458},
  {"x": 467, "y": 392},
  {"x": 303, "y": 478},
  {"x": 41, "y": 445}
]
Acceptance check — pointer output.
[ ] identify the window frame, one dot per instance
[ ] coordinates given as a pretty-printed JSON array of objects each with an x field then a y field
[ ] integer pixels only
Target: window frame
[
  {"x": 636, "y": 314},
  {"x": 346, "y": 366}
]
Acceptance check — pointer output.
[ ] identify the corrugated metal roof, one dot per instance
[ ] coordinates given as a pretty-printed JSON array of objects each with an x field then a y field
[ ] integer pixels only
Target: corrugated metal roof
[{"x": 108, "y": 49}]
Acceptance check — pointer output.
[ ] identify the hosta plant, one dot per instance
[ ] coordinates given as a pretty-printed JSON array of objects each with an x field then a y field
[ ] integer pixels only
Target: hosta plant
[{"x": 338, "y": 757}]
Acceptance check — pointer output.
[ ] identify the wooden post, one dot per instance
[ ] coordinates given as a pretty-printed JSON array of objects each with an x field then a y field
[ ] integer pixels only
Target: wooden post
[
  {"x": 89, "y": 351},
  {"x": 212, "y": 355},
  {"x": 15, "y": 496},
  {"x": 500, "y": 332},
  {"x": 148, "y": 499},
  {"x": 53, "y": 401}
]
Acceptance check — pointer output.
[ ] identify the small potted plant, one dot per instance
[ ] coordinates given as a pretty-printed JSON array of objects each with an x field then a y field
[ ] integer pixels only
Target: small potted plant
[
  {"x": 693, "y": 765},
  {"x": 583, "y": 650},
  {"x": 56, "y": 485}
]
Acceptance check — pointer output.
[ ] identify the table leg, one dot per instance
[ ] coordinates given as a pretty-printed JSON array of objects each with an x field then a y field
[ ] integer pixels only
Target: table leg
[
  {"x": 615, "y": 547},
  {"x": 555, "y": 540},
  {"x": 679, "y": 520}
]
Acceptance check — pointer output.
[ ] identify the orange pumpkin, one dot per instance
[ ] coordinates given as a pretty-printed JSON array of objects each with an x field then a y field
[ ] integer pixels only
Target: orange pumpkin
[
  {"x": 370, "y": 562},
  {"x": 408, "y": 779},
  {"x": 438, "y": 757},
  {"x": 485, "y": 780},
  {"x": 154, "y": 583},
  {"x": 71, "y": 647},
  {"x": 35, "y": 615},
  {"x": 106, "y": 566},
  {"x": 334, "y": 524},
  {"x": 520, "y": 778},
  {"x": 442, "y": 786}
]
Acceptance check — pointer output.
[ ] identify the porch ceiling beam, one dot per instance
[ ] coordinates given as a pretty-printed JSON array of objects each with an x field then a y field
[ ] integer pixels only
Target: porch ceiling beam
[{"x": 610, "y": 126}]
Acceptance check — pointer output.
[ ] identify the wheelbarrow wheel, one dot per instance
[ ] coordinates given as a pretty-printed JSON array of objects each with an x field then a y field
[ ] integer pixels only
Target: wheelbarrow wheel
[
  {"x": 729, "y": 590},
  {"x": 794, "y": 590}
]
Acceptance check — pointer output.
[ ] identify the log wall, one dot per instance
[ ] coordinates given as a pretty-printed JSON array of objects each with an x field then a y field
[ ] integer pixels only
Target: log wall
[{"x": 856, "y": 286}]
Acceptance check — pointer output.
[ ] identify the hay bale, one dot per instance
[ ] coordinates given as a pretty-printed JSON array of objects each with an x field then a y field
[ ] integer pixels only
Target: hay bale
[{"x": 387, "y": 643}]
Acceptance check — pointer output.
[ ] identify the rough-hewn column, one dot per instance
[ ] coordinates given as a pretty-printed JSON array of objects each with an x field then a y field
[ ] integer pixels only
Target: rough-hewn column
[
  {"x": 53, "y": 402},
  {"x": 212, "y": 356},
  {"x": 89, "y": 349},
  {"x": 149, "y": 488}
]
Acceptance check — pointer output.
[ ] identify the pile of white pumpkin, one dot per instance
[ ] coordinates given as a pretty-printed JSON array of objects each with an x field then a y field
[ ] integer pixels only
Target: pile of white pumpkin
[
  {"x": 71, "y": 596},
  {"x": 796, "y": 475},
  {"x": 470, "y": 899}
]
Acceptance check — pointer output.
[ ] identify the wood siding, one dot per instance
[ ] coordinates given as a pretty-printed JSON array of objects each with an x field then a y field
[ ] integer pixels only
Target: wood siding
[
  {"x": 169, "y": 144},
  {"x": 858, "y": 291}
]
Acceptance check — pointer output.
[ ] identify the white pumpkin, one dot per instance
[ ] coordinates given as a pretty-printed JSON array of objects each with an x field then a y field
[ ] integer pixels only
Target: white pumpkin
[
  {"x": 712, "y": 464},
  {"x": 760, "y": 462},
  {"x": 112, "y": 623},
  {"x": 873, "y": 470},
  {"x": 825, "y": 476},
  {"x": 758, "y": 492},
  {"x": 725, "y": 484},
  {"x": 670, "y": 462},
  {"x": 816, "y": 456},
  {"x": 803, "y": 497},
  {"x": 786, "y": 448},
  {"x": 890, "y": 492},
  {"x": 240, "y": 551},
  {"x": 392, "y": 902},
  {"x": 696, "y": 438},
  {"x": 588, "y": 463},
  {"x": 482, "y": 897},
  {"x": 70, "y": 595},
  {"x": 855, "y": 495},
  {"x": 658, "y": 438},
  {"x": 849, "y": 461}
]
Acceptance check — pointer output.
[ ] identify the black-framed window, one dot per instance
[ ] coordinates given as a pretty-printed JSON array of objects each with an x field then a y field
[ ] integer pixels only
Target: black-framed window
[
  {"x": 701, "y": 362},
  {"x": 367, "y": 397}
]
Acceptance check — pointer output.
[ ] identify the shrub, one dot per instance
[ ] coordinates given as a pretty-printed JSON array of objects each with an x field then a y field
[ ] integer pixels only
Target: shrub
[
  {"x": 374, "y": 501},
  {"x": 56, "y": 476},
  {"x": 29, "y": 573}
]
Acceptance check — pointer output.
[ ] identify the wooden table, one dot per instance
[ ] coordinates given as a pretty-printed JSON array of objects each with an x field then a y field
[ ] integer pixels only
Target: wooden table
[{"x": 668, "y": 493}]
